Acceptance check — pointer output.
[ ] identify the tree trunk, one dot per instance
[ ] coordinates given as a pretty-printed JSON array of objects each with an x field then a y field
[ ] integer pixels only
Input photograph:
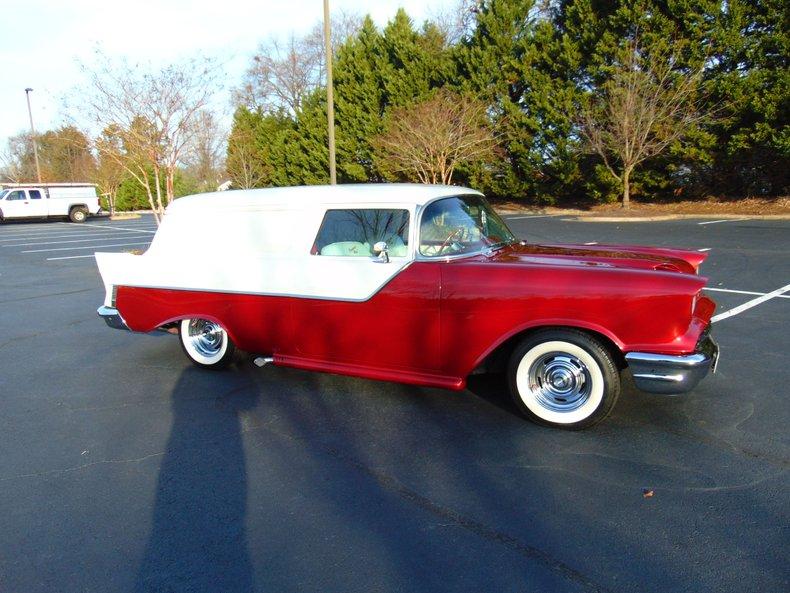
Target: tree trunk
[
  {"x": 169, "y": 184},
  {"x": 627, "y": 188},
  {"x": 159, "y": 206},
  {"x": 152, "y": 203}
]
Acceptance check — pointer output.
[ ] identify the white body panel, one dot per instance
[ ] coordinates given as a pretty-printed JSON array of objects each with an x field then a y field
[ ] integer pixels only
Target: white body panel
[
  {"x": 260, "y": 241},
  {"x": 55, "y": 200}
]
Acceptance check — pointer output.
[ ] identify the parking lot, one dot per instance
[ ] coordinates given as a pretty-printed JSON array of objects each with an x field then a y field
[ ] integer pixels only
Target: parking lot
[{"x": 125, "y": 468}]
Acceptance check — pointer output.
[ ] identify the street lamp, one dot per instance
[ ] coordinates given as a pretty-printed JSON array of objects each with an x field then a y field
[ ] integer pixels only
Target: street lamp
[
  {"x": 330, "y": 102},
  {"x": 33, "y": 133}
]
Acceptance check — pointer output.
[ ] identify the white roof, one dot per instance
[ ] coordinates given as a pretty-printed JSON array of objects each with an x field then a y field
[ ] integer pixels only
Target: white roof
[
  {"x": 34, "y": 184},
  {"x": 311, "y": 196}
]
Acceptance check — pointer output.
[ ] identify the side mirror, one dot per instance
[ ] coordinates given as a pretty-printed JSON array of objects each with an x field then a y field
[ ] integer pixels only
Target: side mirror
[{"x": 382, "y": 250}]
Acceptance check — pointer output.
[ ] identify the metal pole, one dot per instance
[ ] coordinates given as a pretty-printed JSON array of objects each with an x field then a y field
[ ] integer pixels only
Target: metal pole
[
  {"x": 33, "y": 133},
  {"x": 330, "y": 98}
]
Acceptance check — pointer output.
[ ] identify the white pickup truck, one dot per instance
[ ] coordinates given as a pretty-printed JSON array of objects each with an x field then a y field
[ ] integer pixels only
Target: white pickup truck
[{"x": 75, "y": 200}]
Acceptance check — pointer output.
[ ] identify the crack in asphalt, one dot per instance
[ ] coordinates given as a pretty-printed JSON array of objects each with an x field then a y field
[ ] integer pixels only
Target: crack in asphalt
[
  {"x": 44, "y": 296},
  {"x": 57, "y": 472},
  {"x": 654, "y": 485},
  {"x": 482, "y": 530},
  {"x": 48, "y": 332}
]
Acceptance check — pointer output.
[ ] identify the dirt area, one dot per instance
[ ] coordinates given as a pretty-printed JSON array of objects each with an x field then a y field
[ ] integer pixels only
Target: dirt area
[{"x": 709, "y": 207}]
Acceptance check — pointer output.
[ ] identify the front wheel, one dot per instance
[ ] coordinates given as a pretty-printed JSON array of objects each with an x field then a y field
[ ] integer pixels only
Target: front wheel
[
  {"x": 206, "y": 343},
  {"x": 563, "y": 378}
]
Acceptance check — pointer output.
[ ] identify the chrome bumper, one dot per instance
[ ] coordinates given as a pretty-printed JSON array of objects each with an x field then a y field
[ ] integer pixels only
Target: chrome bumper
[
  {"x": 112, "y": 317},
  {"x": 662, "y": 373}
]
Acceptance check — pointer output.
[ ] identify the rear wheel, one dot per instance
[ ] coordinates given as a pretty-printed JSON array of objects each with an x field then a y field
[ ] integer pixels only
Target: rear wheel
[
  {"x": 563, "y": 378},
  {"x": 78, "y": 214},
  {"x": 206, "y": 343}
]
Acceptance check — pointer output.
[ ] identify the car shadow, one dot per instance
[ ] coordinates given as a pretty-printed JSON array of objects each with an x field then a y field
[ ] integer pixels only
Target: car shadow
[
  {"x": 198, "y": 538},
  {"x": 492, "y": 387}
]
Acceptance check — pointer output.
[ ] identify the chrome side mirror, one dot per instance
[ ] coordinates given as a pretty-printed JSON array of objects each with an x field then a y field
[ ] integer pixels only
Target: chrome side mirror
[{"x": 382, "y": 250}]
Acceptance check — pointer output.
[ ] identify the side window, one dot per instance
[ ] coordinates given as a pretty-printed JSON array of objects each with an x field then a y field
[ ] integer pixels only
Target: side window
[
  {"x": 353, "y": 233},
  {"x": 16, "y": 195},
  {"x": 34, "y": 194}
]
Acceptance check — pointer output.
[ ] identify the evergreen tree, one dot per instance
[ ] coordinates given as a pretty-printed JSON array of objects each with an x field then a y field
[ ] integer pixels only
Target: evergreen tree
[
  {"x": 359, "y": 103},
  {"x": 749, "y": 80}
]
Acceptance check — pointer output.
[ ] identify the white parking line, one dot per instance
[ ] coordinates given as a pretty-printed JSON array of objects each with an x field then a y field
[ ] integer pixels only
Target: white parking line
[
  {"x": 523, "y": 217},
  {"x": 66, "y": 236},
  {"x": 70, "y": 257},
  {"x": 61, "y": 242},
  {"x": 751, "y": 292},
  {"x": 749, "y": 304},
  {"x": 117, "y": 228},
  {"x": 723, "y": 220},
  {"x": 85, "y": 247},
  {"x": 592, "y": 243},
  {"x": 18, "y": 232},
  {"x": 705, "y": 249}
]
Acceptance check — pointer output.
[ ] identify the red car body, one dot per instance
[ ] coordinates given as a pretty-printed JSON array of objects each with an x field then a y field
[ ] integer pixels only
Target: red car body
[
  {"x": 442, "y": 319},
  {"x": 416, "y": 284}
]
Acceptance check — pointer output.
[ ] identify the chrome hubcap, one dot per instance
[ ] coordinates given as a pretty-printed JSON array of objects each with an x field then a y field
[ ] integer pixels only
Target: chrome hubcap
[
  {"x": 206, "y": 337},
  {"x": 560, "y": 382}
]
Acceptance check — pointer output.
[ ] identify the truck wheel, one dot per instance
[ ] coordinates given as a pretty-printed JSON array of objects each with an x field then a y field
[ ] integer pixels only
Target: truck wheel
[
  {"x": 78, "y": 214},
  {"x": 563, "y": 378},
  {"x": 206, "y": 343}
]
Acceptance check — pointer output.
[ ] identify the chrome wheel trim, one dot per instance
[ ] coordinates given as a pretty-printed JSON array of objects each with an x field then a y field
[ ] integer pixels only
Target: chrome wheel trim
[
  {"x": 79, "y": 215},
  {"x": 560, "y": 382},
  {"x": 205, "y": 341}
]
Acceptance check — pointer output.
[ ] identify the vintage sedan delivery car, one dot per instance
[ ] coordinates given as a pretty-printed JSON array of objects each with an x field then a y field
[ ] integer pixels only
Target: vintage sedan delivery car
[{"x": 417, "y": 284}]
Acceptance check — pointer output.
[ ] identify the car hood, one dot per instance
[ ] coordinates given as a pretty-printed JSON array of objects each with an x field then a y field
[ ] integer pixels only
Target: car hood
[{"x": 612, "y": 256}]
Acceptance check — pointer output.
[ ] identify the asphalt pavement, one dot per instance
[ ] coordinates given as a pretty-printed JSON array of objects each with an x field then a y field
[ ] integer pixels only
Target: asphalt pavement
[{"x": 125, "y": 468}]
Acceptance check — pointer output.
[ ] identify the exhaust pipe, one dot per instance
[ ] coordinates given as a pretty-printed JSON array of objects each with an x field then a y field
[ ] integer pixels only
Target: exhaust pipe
[{"x": 262, "y": 361}]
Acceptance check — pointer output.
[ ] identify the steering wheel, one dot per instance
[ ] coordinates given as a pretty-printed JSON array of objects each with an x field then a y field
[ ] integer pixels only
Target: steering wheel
[{"x": 456, "y": 233}]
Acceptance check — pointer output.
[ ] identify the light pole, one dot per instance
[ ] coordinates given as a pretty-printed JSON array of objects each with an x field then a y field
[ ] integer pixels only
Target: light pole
[
  {"x": 330, "y": 99},
  {"x": 33, "y": 133}
]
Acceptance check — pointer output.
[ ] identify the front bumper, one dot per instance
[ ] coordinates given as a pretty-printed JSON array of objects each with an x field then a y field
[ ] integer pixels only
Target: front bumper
[
  {"x": 112, "y": 317},
  {"x": 669, "y": 375}
]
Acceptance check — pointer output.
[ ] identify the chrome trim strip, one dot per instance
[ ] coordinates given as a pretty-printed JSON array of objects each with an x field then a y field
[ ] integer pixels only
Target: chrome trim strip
[
  {"x": 690, "y": 360},
  {"x": 112, "y": 318},
  {"x": 672, "y": 378}
]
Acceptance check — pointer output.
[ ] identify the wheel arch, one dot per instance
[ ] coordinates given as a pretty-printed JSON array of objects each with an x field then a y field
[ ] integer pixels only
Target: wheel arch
[
  {"x": 176, "y": 321},
  {"x": 496, "y": 356}
]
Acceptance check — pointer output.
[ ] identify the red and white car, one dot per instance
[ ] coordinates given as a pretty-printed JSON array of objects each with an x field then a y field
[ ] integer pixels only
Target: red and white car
[{"x": 416, "y": 284}]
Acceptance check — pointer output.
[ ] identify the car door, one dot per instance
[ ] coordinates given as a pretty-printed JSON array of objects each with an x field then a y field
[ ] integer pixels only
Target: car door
[
  {"x": 37, "y": 203},
  {"x": 15, "y": 204},
  {"x": 388, "y": 316}
]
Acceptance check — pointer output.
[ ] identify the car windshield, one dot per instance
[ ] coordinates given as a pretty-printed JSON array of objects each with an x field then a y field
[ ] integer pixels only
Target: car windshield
[
  {"x": 3, "y": 194},
  {"x": 461, "y": 224}
]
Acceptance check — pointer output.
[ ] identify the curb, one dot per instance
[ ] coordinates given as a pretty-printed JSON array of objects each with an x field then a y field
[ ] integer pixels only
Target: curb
[
  {"x": 578, "y": 216},
  {"x": 678, "y": 217}
]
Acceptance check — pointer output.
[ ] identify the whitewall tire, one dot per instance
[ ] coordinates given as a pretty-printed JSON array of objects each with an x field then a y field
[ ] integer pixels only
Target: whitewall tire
[
  {"x": 563, "y": 378},
  {"x": 206, "y": 343}
]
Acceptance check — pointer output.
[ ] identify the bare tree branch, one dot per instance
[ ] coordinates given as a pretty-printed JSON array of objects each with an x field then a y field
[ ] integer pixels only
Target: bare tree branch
[
  {"x": 430, "y": 139},
  {"x": 153, "y": 113},
  {"x": 647, "y": 105}
]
